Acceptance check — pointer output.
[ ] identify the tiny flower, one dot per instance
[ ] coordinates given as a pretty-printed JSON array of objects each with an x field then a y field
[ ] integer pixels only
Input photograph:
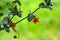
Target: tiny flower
[
  {"x": 13, "y": 25},
  {"x": 35, "y": 20}
]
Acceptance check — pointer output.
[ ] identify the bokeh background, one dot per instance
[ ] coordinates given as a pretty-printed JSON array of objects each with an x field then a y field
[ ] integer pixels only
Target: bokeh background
[{"x": 48, "y": 27}]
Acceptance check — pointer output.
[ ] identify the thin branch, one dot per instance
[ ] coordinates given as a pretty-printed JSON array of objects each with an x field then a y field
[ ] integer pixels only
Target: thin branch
[
  {"x": 21, "y": 20},
  {"x": 12, "y": 17},
  {"x": 26, "y": 16},
  {"x": 35, "y": 10}
]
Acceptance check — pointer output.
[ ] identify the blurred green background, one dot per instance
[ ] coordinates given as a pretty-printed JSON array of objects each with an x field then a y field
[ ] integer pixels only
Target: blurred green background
[{"x": 48, "y": 27}]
